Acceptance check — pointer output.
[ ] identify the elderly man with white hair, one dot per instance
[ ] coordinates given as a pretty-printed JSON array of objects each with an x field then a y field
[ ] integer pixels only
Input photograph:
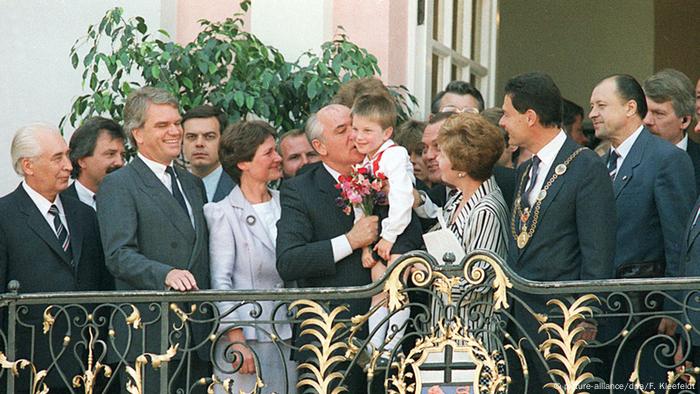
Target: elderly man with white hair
[{"x": 47, "y": 244}]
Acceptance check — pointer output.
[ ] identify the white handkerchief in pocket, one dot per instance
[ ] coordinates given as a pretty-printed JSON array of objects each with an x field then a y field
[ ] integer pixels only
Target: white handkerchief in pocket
[{"x": 443, "y": 241}]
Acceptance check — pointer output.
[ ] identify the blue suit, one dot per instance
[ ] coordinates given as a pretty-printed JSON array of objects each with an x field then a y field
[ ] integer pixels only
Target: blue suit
[
  {"x": 223, "y": 187},
  {"x": 654, "y": 193}
]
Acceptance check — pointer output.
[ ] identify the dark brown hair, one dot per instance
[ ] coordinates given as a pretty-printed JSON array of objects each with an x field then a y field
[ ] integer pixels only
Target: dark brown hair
[{"x": 239, "y": 143}]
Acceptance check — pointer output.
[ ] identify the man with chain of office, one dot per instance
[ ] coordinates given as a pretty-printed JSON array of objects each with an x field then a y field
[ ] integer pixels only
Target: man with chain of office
[{"x": 563, "y": 219}]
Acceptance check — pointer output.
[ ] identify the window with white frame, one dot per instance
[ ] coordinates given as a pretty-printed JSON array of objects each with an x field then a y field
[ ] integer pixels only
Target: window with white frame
[{"x": 453, "y": 40}]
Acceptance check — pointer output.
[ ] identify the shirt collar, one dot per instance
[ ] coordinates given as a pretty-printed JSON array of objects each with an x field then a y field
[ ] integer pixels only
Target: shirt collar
[
  {"x": 549, "y": 152},
  {"x": 84, "y": 194},
  {"x": 624, "y": 148},
  {"x": 683, "y": 143},
  {"x": 157, "y": 168},
  {"x": 214, "y": 175},
  {"x": 335, "y": 174},
  {"x": 41, "y": 202},
  {"x": 211, "y": 181},
  {"x": 386, "y": 145}
]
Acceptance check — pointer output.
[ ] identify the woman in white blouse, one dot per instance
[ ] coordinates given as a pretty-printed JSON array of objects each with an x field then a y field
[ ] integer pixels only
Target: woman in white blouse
[
  {"x": 242, "y": 234},
  {"x": 477, "y": 214}
]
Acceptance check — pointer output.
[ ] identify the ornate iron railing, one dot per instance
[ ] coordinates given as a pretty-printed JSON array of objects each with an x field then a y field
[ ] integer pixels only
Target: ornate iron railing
[{"x": 474, "y": 324}]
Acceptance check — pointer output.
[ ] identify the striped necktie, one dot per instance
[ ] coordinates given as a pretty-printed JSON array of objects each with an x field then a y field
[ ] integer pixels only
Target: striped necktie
[
  {"x": 612, "y": 163},
  {"x": 60, "y": 229}
]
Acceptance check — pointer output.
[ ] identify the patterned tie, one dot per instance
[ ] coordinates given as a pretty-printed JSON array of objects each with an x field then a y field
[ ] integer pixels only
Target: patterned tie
[
  {"x": 61, "y": 232},
  {"x": 535, "y": 167},
  {"x": 612, "y": 163},
  {"x": 176, "y": 189}
]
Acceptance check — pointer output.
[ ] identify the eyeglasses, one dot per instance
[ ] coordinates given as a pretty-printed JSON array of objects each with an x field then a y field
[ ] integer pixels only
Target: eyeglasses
[{"x": 458, "y": 110}]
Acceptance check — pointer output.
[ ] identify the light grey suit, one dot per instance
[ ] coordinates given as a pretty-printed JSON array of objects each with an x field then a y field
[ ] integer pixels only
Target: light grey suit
[
  {"x": 145, "y": 234},
  {"x": 242, "y": 254}
]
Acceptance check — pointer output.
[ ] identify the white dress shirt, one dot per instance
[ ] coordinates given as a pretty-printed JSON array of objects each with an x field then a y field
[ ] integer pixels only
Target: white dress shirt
[
  {"x": 159, "y": 170},
  {"x": 85, "y": 195},
  {"x": 44, "y": 205},
  {"x": 624, "y": 148},
  {"x": 683, "y": 143},
  {"x": 547, "y": 155},
  {"x": 340, "y": 244},
  {"x": 211, "y": 181}
]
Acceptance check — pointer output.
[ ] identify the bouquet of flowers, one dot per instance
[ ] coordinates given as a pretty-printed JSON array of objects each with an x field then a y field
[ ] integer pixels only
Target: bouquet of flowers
[{"x": 362, "y": 189}]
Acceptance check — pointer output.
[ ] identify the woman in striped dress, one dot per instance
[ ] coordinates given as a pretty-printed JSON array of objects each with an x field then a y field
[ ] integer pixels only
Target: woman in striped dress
[{"x": 477, "y": 214}]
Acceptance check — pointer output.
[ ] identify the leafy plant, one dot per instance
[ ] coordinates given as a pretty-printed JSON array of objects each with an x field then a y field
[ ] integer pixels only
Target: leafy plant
[{"x": 224, "y": 66}]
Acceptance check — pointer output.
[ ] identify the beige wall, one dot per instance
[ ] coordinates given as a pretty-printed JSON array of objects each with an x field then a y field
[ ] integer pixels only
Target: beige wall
[
  {"x": 678, "y": 36},
  {"x": 576, "y": 42},
  {"x": 189, "y": 12}
]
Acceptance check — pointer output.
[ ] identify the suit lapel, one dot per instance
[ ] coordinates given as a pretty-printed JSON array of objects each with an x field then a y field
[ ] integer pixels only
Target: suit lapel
[
  {"x": 634, "y": 157},
  {"x": 692, "y": 231},
  {"x": 247, "y": 214},
  {"x": 38, "y": 224},
  {"x": 194, "y": 196},
  {"x": 223, "y": 187},
  {"x": 153, "y": 187},
  {"x": 326, "y": 184}
]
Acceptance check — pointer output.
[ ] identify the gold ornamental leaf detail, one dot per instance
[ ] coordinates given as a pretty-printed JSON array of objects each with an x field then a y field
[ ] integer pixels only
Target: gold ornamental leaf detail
[
  {"x": 134, "y": 319},
  {"x": 394, "y": 285},
  {"x": 49, "y": 320},
  {"x": 501, "y": 283}
]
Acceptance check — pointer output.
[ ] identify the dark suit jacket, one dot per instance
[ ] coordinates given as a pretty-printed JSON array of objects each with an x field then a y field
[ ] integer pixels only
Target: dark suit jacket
[
  {"x": 71, "y": 192},
  {"x": 146, "y": 233},
  {"x": 693, "y": 151},
  {"x": 31, "y": 254},
  {"x": 690, "y": 265},
  {"x": 310, "y": 219},
  {"x": 575, "y": 234},
  {"x": 654, "y": 193},
  {"x": 223, "y": 187}
]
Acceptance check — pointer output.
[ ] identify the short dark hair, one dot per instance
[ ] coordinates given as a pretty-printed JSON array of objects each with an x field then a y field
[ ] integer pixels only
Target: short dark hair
[
  {"x": 538, "y": 92},
  {"x": 570, "y": 111},
  {"x": 494, "y": 115},
  {"x": 461, "y": 88},
  {"x": 354, "y": 88},
  {"x": 206, "y": 111},
  {"x": 628, "y": 89},
  {"x": 239, "y": 143},
  {"x": 377, "y": 108},
  {"x": 84, "y": 138},
  {"x": 287, "y": 134},
  {"x": 439, "y": 117},
  {"x": 409, "y": 134}
]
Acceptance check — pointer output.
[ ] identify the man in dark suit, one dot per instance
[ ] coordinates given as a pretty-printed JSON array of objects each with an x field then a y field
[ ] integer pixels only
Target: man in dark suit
[
  {"x": 564, "y": 213},
  {"x": 153, "y": 228},
  {"x": 203, "y": 127},
  {"x": 96, "y": 149},
  {"x": 654, "y": 192},
  {"x": 296, "y": 152},
  {"x": 670, "y": 100},
  {"x": 47, "y": 244},
  {"x": 317, "y": 244}
]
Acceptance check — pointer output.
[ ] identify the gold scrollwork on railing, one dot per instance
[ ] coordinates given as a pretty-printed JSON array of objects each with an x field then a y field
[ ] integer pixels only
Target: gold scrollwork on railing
[
  {"x": 566, "y": 339},
  {"x": 421, "y": 273},
  {"x": 330, "y": 352},
  {"x": 135, "y": 384},
  {"x": 87, "y": 379},
  {"x": 477, "y": 275},
  {"x": 38, "y": 387}
]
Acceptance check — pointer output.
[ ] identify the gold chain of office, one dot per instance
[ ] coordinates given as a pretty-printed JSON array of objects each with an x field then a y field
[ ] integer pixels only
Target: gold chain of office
[{"x": 525, "y": 234}]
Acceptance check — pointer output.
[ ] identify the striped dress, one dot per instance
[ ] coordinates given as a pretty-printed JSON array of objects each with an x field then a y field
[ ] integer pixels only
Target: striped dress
[{"x": 481, "y": 223}]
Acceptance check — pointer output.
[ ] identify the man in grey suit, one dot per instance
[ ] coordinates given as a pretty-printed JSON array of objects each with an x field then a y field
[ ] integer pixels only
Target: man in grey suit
[
  {"x": 563, "y": 224},
  {"x": 203, "y": 127},
  {"x": 153, "y": 228},
  {"x": 654, "y": 192},
  {"x": 670, "y": 100}
]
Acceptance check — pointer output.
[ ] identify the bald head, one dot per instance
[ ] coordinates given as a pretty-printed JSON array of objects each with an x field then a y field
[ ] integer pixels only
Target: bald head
[{"x": 330, "y": 133}]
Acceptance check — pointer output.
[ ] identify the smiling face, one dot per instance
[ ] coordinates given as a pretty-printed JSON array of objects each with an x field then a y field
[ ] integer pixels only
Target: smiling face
[
  {"x": 514, "y": 123},
  {"x": 369, "y": 135},
  {"x": 160, "y": 137},
  {"x": 201, "y": 144},
  {"x": 431, "y": 151},
  {"x": 608, "y": 110},
  {"x": 266, "y": 165},
  {"x": 49, "y": 172}
]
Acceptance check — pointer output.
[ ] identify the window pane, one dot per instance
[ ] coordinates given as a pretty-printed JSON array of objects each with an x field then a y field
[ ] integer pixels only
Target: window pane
[
  {"x": 435, "y": 77},
  {"x": 476, "y": 30},
  {"x": 454, "y": 75},
  {"x": 437, "y": 20},
  {"x": 457, "y": 25}
]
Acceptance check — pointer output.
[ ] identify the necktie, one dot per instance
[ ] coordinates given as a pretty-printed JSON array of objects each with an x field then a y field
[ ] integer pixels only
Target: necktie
[
  {"x": 612, "y": 163},
  {"x": 176, "y": 189},
  {"x": 535, "y": 167},
  {"x": 61, "y": 231}
]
